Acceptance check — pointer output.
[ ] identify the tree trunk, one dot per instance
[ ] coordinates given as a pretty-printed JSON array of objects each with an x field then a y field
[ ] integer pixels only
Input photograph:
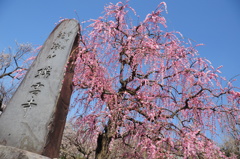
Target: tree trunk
[
  {"x": 102, "y": 151},
  {"x": 103, "y": 142}
]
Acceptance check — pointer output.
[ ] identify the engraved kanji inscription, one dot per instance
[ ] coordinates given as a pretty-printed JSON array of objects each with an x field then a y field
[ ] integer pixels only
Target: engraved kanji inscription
[
  {"x": 44, "y": 72},
  {"x": 36, "y": 88},
  {"x": 62, "y": 35},
  {"x": 29, "y": 103},
  {"x": 55, "y": 46},
  {"x": 52, "y": 55}
]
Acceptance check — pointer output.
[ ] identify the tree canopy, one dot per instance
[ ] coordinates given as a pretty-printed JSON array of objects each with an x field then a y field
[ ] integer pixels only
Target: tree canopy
[{"x": 142, "y": 91}]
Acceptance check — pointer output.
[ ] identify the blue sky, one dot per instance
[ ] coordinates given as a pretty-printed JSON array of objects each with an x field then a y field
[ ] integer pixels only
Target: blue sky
[{"x": 216, "y": 23}]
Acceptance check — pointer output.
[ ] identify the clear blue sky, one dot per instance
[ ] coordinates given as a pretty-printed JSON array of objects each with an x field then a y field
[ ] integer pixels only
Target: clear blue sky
[{"x": 216, "y": 23}]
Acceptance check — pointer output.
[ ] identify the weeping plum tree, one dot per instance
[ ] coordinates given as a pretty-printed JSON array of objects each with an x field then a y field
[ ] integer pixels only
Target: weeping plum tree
[{"x": 143, "y": 92}]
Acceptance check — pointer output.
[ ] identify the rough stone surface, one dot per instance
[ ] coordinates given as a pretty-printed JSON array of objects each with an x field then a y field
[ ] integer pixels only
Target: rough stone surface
[
  {"x": 7, "y": 152},
  {"x": 35, "y": 116}
]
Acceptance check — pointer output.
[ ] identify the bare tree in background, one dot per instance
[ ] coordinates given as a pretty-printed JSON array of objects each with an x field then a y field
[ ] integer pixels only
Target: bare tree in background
[
  {"x": 71, "y": 148},
  {"x": 13, "y": 64},
  {"x": 231, "y": 143}
]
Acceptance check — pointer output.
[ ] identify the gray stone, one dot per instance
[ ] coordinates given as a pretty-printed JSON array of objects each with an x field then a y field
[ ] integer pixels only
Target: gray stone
[
  {"x": 34, "y": 118},
  {"x": 7, "y": 152}
]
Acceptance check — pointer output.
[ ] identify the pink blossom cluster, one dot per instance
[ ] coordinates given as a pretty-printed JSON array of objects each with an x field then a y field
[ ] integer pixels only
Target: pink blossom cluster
[{"x": 147, "y": 89}]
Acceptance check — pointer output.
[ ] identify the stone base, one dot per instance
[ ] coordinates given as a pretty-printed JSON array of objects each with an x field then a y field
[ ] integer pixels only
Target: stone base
[{"x": 7, "y": 152}]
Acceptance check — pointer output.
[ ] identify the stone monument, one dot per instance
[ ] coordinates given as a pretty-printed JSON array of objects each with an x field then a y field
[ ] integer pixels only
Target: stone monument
[{"x": 34, "y": 119}]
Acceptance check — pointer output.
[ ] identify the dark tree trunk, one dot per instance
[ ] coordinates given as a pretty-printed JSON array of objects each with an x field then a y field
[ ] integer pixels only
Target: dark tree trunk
[
  {"x": 102, "y": 151},
  {"x": 103, "y": 142}
]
